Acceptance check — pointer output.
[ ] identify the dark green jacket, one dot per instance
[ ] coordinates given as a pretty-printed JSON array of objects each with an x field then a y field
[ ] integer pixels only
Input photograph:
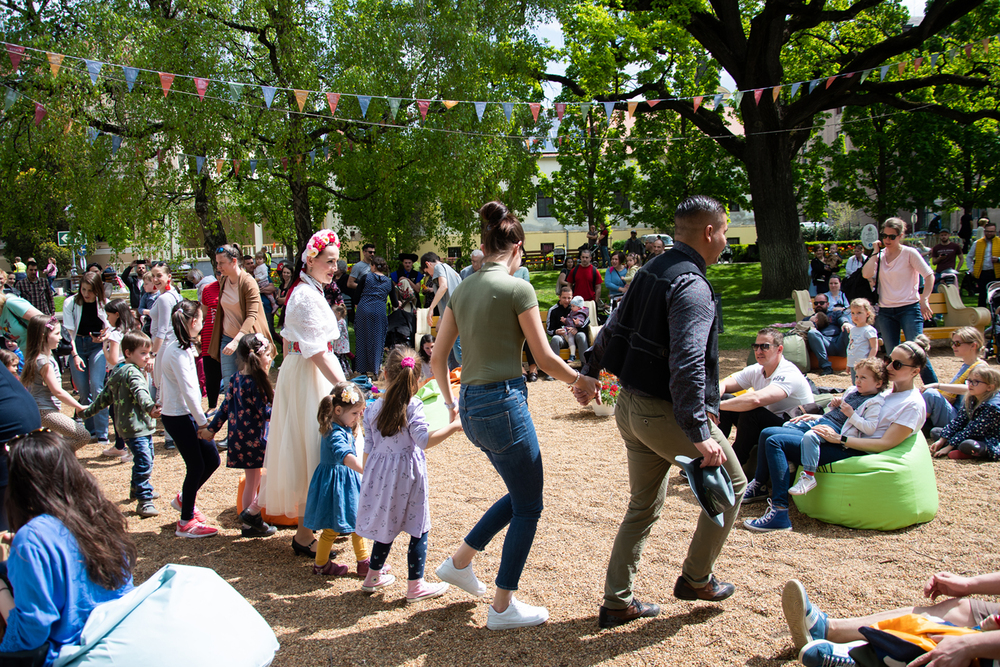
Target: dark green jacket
[{"x": 128, "y": 389}]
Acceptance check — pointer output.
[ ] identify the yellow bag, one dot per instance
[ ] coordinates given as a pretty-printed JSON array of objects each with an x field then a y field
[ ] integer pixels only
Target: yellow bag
[{"x": 917, "y": 629}]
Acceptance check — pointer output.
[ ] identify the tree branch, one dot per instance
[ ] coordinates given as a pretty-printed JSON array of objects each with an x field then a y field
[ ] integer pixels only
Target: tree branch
[{"x": 805, "y": 16}]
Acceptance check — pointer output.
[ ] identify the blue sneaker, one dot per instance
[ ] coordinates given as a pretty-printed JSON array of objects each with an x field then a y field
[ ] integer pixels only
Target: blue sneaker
[
  {"x": 822, "y": 653},
  {"x": 776, "y": 518},
  {"x": 755, "y": 492},
  {"x": 805, "y": 621}
]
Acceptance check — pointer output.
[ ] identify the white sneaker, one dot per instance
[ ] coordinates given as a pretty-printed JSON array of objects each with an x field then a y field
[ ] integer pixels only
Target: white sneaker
[
  {"x": 464, "y": 578},
  {"x": 805, "y": 484},
  {"x": 516, "y": 615}
]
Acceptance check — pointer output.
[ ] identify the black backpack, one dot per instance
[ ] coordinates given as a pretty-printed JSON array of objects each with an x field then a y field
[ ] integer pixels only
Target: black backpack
[{"x": 856, "y": 286}]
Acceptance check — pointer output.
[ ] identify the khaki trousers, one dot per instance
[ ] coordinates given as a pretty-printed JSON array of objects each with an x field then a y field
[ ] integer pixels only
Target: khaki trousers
[{"x": 652, "y": 441}]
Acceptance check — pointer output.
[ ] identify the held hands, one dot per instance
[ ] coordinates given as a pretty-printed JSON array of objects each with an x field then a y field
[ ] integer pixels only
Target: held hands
[
  {"x": 156, "y": 412},
  {"x": 586, "y": 390},
  {"x": 231, "y": 348},
  {"x": 205, "y": 433},
  {"x": 946, "y": 583}
]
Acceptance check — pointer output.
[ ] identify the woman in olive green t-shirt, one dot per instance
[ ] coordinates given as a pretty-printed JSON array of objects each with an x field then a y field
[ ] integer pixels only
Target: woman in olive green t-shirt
[{"x": 494, "y": 313}]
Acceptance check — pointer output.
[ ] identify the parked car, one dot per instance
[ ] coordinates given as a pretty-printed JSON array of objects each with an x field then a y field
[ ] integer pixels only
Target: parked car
[{"x": 668, "y": 241}]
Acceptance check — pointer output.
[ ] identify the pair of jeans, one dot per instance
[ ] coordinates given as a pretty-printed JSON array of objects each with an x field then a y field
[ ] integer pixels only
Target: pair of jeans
[
  {"x": 748, "y": 425},
  {"x": 653, "y": 441},
  {"x": 227, "y": 361},
  {"x": 780, "y": 445},
  {"x": 495, "y": 418},
  {"x": 909, "y": 320},
  {"x": 940, "y": 410},
  {"x": 811, "y": 443},
  {"x": 142, "y": 465},
  {"x": 201, "y": 458},
  {"x": 824, "y": 346},
  {"x": 90, "y": 381}
]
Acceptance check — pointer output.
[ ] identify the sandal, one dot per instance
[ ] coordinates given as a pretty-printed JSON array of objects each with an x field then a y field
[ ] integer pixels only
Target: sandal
[{"x": 301, "y": 550}]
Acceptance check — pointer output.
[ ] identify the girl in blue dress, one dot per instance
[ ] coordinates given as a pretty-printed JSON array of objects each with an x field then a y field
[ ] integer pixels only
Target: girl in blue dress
[{"x": 332, "y": 503}]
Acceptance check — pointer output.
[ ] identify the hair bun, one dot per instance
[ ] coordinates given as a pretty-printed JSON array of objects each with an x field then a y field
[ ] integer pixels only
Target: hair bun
[{"x": 493, "y": 213}]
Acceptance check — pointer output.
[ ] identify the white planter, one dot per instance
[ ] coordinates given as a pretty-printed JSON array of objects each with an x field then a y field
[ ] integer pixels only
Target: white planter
[{"x": 602, "y": 410}]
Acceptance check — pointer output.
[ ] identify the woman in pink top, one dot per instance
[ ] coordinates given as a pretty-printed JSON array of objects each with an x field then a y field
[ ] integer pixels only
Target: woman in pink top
[{"x": 901, "y": 307}]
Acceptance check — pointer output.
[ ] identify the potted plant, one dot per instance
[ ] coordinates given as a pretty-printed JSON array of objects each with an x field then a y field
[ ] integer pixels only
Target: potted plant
[{"x": 609, "y": 388}]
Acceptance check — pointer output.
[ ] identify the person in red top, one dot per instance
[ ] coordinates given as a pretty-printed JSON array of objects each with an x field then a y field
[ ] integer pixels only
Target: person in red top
[
  {"x": 209, "y": 370},
  {"x": 946, "y": 255},
  {"x": 585, "y": 279}
]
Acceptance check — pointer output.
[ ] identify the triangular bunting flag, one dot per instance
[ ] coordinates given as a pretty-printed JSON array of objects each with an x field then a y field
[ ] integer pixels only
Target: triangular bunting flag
[
  {"x": 312, "y": 157},
  {"x": 864, "y": 75},
  {"x": 901, "y": 67},
  {"x": 69, "y": 126},
  {"x": 795, "y": 88},
  {"x": 284, "y": 164},
  {"x": 757, "y": 94},
  {"x": 270, "y": 163},
  {"x": 449, "y": 103},
  {"x": 829, "y": 82},
  {"x": 883, "y": 71},
  {"x": 235, "y": 91},
  {"x": 813, "y": 84},
  {"x": 201, "y": 85},
  {"x": 332, "y": 99},
  {"x": 775, "y": 92},
  {"x": 298, "y": 159},
  {"x": 92, "y": 134},
  {"x": 584, "y": 109},
  {"x": 480, "y": 109},
  {"x": 951, "y": 54},
  {"x": 326, "y": 152},
  {"x": 986, "y": 44},
  {"x": 131, "y": 74},
  {"x": 218, "y": 166},
  {"x": 609, "y": 108},
  {"x": 364, "y": 101},
  {"x": 737, "y": 99},
  {"x": 934, "y": 59},
  {"x": 253, "y": 167},
  {"x": 560, "y": 110},
  {"x": 159, "y": 156},
  {"x": 116, "y": 143},
  {"x": 93, "y": 69},
  {"x": 508, "y": 110},
  {"x": 631, "y": 108},
  {"x": 697, "y": 102},
  {"x": 166, "y": 80},
  {"x": 849, "y": 75},
  {"x": 968, "y": 50},
  {"x": 39, "y": 113},
  {"x": 15, "y": 53},
  {"x": 10, "y": 98},
  {"x": 55, "y": 62},
  {"x": 917, "y": 62},
  {"x": 527, "y": 143},
  {"x": 236, "y": 167},
  {"x": 423, "y": 105},
  {"x": 340, "y": 152},
  {"x": 269, "y": 92},
  {"x": 717, "y": 101},
  {"x": 301, "y": 96},
  {"x": 394, "y": 106},
  {"x": 535, "y": 108},
  {"x": 199, "y": 162}
]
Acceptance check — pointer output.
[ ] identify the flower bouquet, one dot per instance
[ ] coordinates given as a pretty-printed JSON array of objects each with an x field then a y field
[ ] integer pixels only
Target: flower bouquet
[{"x": 609, "y": 389}]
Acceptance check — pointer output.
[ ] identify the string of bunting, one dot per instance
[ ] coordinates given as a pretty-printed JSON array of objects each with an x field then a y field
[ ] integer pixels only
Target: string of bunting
[{"x": 238, "y": 91}]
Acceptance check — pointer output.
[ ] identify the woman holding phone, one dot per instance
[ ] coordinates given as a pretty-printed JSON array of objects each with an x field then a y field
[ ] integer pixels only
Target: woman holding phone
[{"x": 86, "y": 323}]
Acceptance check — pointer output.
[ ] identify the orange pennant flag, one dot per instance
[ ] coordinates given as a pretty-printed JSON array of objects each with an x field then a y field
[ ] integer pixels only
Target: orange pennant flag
[
  {"x": 55, "y": 62},
  {"x": 218, "y": 166},
  {"x": 236, "y": 167},
  {"x": 449, "y": 103},
  {"x": 986, "y": 44},
  {"x": 756, "y": 95},
  {"x": 917, "y": 62},
  {"x": 631, "y": 108},
  {"x": 902, "y": 67},
  {"x": 300, "y": 97},
  {"x": 201, "y": 85},
  {"x": 697, "y": 102},
  {"x": 332, "y": 99},
  {"x": 775, "y": 92},
  {"x": 69, "y": 126},
  {"x": 166, "y": 80},
  {"x": 829, "y": 82},
  {"x": 535, "y": 108}
]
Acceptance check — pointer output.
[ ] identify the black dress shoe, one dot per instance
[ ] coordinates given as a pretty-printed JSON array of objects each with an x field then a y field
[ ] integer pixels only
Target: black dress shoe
[
  {"x": 713, "y": 591},
  {"x": 304, "y": 550},
  {"x": 612, "y": 618}
]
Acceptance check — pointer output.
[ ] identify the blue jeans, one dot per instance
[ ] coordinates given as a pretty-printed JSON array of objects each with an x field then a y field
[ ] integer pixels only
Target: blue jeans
[
  {"x": 824, "y": 347},
  {"x": 496, "y": 419},
  {"x": 940, "y": 410},
  {"x": 142, "y": 465},
  {"x": 228, "y": 362},
  {"x": 780, "y": 445},
  {"x": 909, "y": 320},
  {"x": 90, "y": 381}
]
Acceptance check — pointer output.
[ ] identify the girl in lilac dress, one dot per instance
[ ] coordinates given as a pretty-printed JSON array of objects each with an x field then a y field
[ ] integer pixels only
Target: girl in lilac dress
[{"x": 394, "y": 488}]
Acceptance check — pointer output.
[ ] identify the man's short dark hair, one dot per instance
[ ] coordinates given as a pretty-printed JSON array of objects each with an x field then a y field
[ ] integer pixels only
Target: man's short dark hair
[
  {"x": 365, "y": 247},
  {"x": 773, "y": 334},
  {"x": 565, "y": 288},
  {"x": 31, "y": 262},
  {"x": 246, "y": 257},
  {"x": 428, "y": 257},
  {"x": 696, "y": 206},
  {"x": 988, "y": 224}
]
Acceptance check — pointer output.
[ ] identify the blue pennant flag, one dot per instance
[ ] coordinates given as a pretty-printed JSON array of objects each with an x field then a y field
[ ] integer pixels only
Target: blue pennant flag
[
  {"x": 269, "y": 92},
  {"x": 93, "y": 68},
  {"x": 717, "y": 102},
  {"x": 92, "y": 134},
  {"x": 480, "y": 109},
  {"x": 131, "y": 74},
  {"x": 364, "y": 101},
  {"x": 795, "y": 89},
  {"x": 508, "y": 109},
  {"x": 326, "y": 152},
  {"x": 865, "y": 75},
  {"x": 312, "y": 157},
  {"x": 116, "y": 143},
  {"x": 200, "y": 162},
  {"x": 934, "y": 59},
  {"x": 10, "y": 98},
  {"x": 253, "y": 166},
  {"x": 884, "y": 71},
  {"x": 813, "y": 84},
  {"x": 609, "y": 108},
  {"x": 394, "y": 106}
]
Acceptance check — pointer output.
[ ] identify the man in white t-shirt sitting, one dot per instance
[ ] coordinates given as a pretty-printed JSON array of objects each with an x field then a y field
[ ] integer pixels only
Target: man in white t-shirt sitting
[{"x": 778, "y": 386}]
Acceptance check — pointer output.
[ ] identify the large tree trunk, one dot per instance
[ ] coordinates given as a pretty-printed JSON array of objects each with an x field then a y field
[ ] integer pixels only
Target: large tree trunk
[
  {"x": 207, "y": 210},
  {"x": 300, "y": 208},
  {"x": 783, "y": 259}
]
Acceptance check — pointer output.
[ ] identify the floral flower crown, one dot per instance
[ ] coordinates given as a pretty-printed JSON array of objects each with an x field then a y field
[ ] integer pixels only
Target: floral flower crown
[{"x": 318, "y": 242}]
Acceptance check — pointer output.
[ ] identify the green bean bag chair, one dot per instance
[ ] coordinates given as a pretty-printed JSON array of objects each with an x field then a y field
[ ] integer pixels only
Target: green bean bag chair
[{"x": 884, "y": 491}]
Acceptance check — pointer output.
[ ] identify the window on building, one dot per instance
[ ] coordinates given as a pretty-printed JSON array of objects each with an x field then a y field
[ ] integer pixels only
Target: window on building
[
  {"x": 543, "y": 206},
  {"x": 454, "y": 252}
]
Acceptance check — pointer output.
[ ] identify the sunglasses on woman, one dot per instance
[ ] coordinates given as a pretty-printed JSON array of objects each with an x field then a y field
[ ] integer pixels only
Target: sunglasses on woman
[
  {"x": 891, "y": 237},
  {"x": 897, "y": 364}
]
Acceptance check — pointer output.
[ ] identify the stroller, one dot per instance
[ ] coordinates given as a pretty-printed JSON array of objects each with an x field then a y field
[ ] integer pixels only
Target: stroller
[
  {"x": 401, "y": 329},
  {"x": 993, "y": 302}
]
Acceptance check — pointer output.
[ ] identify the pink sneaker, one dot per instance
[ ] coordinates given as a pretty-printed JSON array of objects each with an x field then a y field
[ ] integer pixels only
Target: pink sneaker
[
  {"x": 198, "y": 516},
  {"x": 376, "y": 580},
  {"x": 194, "y": 529},
  {"x": 421, "y": 590}
]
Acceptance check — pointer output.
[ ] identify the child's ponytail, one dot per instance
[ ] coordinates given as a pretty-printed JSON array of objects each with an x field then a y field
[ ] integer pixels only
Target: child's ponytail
[
  {"x": 248, "y": 359},
  {"x": 403, "y": 374}
]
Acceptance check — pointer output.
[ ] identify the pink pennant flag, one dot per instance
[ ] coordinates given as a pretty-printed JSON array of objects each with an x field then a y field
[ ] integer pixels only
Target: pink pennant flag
[
  {"x": 849, "y": 74},
  {"x": 449, "y": 103},
  {"x": 300, "y": 97},
  {"x": 775, "y": 92},
  {"x": 560, "y": 139},
  {"x": 560, "y": 110},
  {"x": 332, "y": 99},
  {"x": 902, "y": 67},
  {"x": 829, "y": 82},
  {"x": 284, "y": 164},
  {"x": 201, "y": 85},
  {"x": 39, "y": 113},
  {"x": 166, "y": 80},
  {"x": 15, "y": 53},
  {"x": 159, "y": 156},
  {"x": 697, "y": 102},
  {"x": 653, "y": 103},
  {"x": 55, "y": 62},
  {"x": 423, "y": 105},
  {"x": 535, "y": 108},
  {"x": 968, "y": 50},
  {"x": 757, "y": 95},
  {"x": 340, "y": 153},
  {"x": 236, "y": 167},
  {"x": 631, "y": 108},
  {"x": 917, "y": 62}
]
